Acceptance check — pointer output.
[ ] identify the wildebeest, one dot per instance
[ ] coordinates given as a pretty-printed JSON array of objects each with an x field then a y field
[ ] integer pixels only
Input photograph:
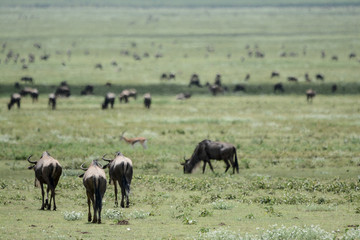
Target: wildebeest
[
  {"x": 124, "y": 96},
  {"x": 133, "y": 93},
  {"x": 166, "y": 76},
  {"x": 63, "y": 91},
  {"x": 109, "y": 99},
  {"x": 319, "y": 77},
  {"x": 121, "y": 171},
  {"x": 207, "y": 150},
  {"x": 278, "y": 87},
  {"x": 247, "y": 77},
  {"x": 334, "y": 58},
  {"x": 94, "y": 180},
  {"x": 89, "y": 89},
  {"x": 99, "y": 66},
  {"x": 14, "y": 98},
  {"x": 194, "y": 80},
  {"x": 183, "y": 96},
  {"x": 215, "y": 89},
  {"x": 33, "y": 92},
  {"x": 307, "y": 78},
  {"x": 218, "y": 79},
  {"x": 334, "y": 88},
  {"x": 52, "y": 101},
  {"x": 47, "y": 171},
  {"x": 352, "y": 55},
  {"x": 147, "y": 100},
  {"x": 45, "y": 57},
  {"x": 239, "y": 87},
  {"x": 274, "y": 74},
  {"x": 310, "y": 94},
  {"x": 292, "y": 79},
  {"x": 27, "y": 79},
  {"x": 17, "y": 85}
]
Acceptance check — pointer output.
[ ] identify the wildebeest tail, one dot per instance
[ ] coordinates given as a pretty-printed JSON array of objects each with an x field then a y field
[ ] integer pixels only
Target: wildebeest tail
[
  {"x": 126, "y": 178},
  {"x": 236, "y": 161},
  {"x": 98, "y": 198}
]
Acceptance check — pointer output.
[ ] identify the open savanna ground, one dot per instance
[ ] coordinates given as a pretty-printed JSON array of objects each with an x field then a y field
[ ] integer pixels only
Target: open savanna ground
[{"x": 299, "y": 162}]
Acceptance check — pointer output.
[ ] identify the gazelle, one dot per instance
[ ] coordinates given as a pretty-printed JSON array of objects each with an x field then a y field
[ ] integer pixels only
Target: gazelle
[{"x": 132, "y": 141}]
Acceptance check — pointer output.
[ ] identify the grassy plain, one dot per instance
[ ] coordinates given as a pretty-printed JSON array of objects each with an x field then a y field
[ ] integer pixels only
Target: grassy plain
[{"x": 299, "y": 162}]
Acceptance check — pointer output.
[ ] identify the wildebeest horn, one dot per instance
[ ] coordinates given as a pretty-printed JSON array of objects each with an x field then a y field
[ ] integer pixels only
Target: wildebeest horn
[
  {"x": 108, "y": 160},
  {"x": 82, "y": 168},
  {"x": 31, "y": 161}
]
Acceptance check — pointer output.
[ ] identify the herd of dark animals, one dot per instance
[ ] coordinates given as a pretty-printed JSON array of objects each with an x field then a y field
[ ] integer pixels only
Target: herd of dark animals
[{"x": 48, "y": 171}]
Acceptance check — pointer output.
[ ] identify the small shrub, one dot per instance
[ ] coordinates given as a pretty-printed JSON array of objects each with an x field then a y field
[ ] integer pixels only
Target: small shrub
[
  {"x": 138, "y": 214},
  {"x": 114, "y": 214},
  {"x": 188, "y": 221},
  {"x": 250, "y": 216},
  {"x": 205, "y": 213},
  {"x": 222, "y": 205},
  {"x": 73, "y": 216}
]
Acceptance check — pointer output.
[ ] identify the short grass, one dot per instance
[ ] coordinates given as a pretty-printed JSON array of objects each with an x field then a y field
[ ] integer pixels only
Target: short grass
[{"x": 299, "y": 161}]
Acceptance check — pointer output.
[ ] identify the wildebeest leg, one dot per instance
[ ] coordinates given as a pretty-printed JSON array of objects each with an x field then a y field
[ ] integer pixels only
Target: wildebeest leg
[
  {"x": 47, "y": 204},
  {"x": 227, "y": 164},
  {"x": 116, "y": 193},
  {"x": 18, "y": 104},
  {"x": 53, "y": 197},
  {"x": 42, "y": 194},
  {"x": 92, "y": 197},
  {"x": 89, "y": 204},
  {"x": 204, "y": 166},
  {"x": 211, "y": 167},
  {"x": 122, "y": 196}
]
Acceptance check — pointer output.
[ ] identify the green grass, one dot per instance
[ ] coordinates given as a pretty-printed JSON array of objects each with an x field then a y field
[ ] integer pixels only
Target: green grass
[{"x": 299, "y": 163}]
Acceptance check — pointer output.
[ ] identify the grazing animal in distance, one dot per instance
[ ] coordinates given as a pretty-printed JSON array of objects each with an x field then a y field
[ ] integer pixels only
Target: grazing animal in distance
[
  {"x": 320, "y": 77},
  {"x": 47, "y": 171},
  {"x": 124, "y": 96},
  {"x": 120, "y": 171},
  {"x": 307, "y": 78},
  {"x": 89, "y": 89},
  {"x": 218, "y": 79},
  {"x": 99, "y": 66},
  {"x": 33, "y": 92},
  {"x": 334, "y": 88},
  {"x": 278, "y": 87},
  {"x": 215, "y": 89},
  {"x": 109, "y": 99},
  {"x": 275, "y": 74},
  {"x": 63, "y": 91},
  {"x": 27, "y": 79},
  {"x": 147, "y": 100},
  {"x": 194, "y": 80},
  {"x": 94, "y": 180},
  {"x": 239, "y": 87},
  {"x": 207, "y": 150},
  {"x": 292, "y": 79},
  {"x": 310, "y": 94},
  {"x": 132, "y": 141},
  {"x": 352, "y": 55},
  {"x": 247, "y": 77},
  {"x": 183, "y": 96},
  {"x": 15, "y": 98},
  {"x": 52, "y": 101}
]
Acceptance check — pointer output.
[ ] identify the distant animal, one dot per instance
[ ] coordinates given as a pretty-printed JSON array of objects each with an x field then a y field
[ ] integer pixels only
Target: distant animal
[
  {"x": 15, "y": 98},
  {"x": 183, "y": 96},
  {"x": 352, "y": 55},
  {"x": 109, "y": 99},
  {"x": 94, "y": 180},
  {"x": 45, "y": 57},
  {"x": 167, "y": 76},
  {"x": 320, "y": 77},
  {"x": 133, "y": 141},
  {"x": 89, "y": 89},
  {"x": 292, "y": 79},
  {"x": 218, "y": 79},
  {"x": 307, "y": 78},
  {"x": 216, "y": 89},
  {"x": 33, "y": 92},
  {"x": 121, "y": 172},
  {"x": 17, "y": 85},
  {"x": 27, "y": 79},
  {"x": 334, "y": 58},
  {"x": 207, "y": 150},
  {"x": 278, "y": 87},
  {"x": 99, "y": 66},
  {"x": 47, "y": 171},
  {"x": 133, "y": 93},
  {"x": 239, "y": 87},
  {"x": 147, "y": 100},
  {"x": 194, "y": 80},
  {"x": 124, "y": 96},
  {"x": 310, "y": 94},
  {"x": 334, "y": 88},
  {"x": 52, "y": 101},
  {"x": 275, "y": 74},
  {"x": 63, "y": 91},
  {"x": 247, "y": 77}
]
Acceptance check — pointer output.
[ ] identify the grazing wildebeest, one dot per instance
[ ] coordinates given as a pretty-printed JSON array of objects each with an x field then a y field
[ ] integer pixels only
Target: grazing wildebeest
[
  {"x": 307, "y": 78},
  {"x": 147, "y": 100},
  {"x": 17, "y": 85},
  {"x": 27, "y": 79},
  {"x": 334, "y": 58},
  {"x": 172, "y": 76},
  {"x": 207, "y": 150},
  {"x": 310, "y": 94},
  {"x": 33, "y": 92},
  {"x": 164, "y": 76},
  {"x": 133, "y": 93},
  {"x": 124, "y": 96},
  {"x": 99, "y": 66},
  {"x": 215, "y": 89},
  {"x": 292, "y": 79},
  {"x": 45, "y": 57},
  {"x": 15, "y": 98},
  {"x": 47, "y": 171},
  {"x": 63, "y": 91},
  {"x": 218, "y": 79},
  {"x": 183, "y": 96},
  {"x": 52, "y": 101},
  {"x": 89, "y": 89},
  {"x": 352, "y": 55},
  {"x": 194, "y": 80},
  {"x": 320, "y": 77},
  {"x": 94, "y": 180},
  {"x": 278, "y": 87},
  {"x": 109, "y": 99},
  {"x": 275, "y": 74},
  {"x": 239, "y": 87},
  {"x": 333, "y": 88},
  {"x": 120, "y": 171}
]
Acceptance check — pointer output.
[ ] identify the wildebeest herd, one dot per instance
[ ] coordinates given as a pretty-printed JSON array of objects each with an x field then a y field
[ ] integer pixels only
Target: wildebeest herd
[{"x": 48, "y": 171}]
